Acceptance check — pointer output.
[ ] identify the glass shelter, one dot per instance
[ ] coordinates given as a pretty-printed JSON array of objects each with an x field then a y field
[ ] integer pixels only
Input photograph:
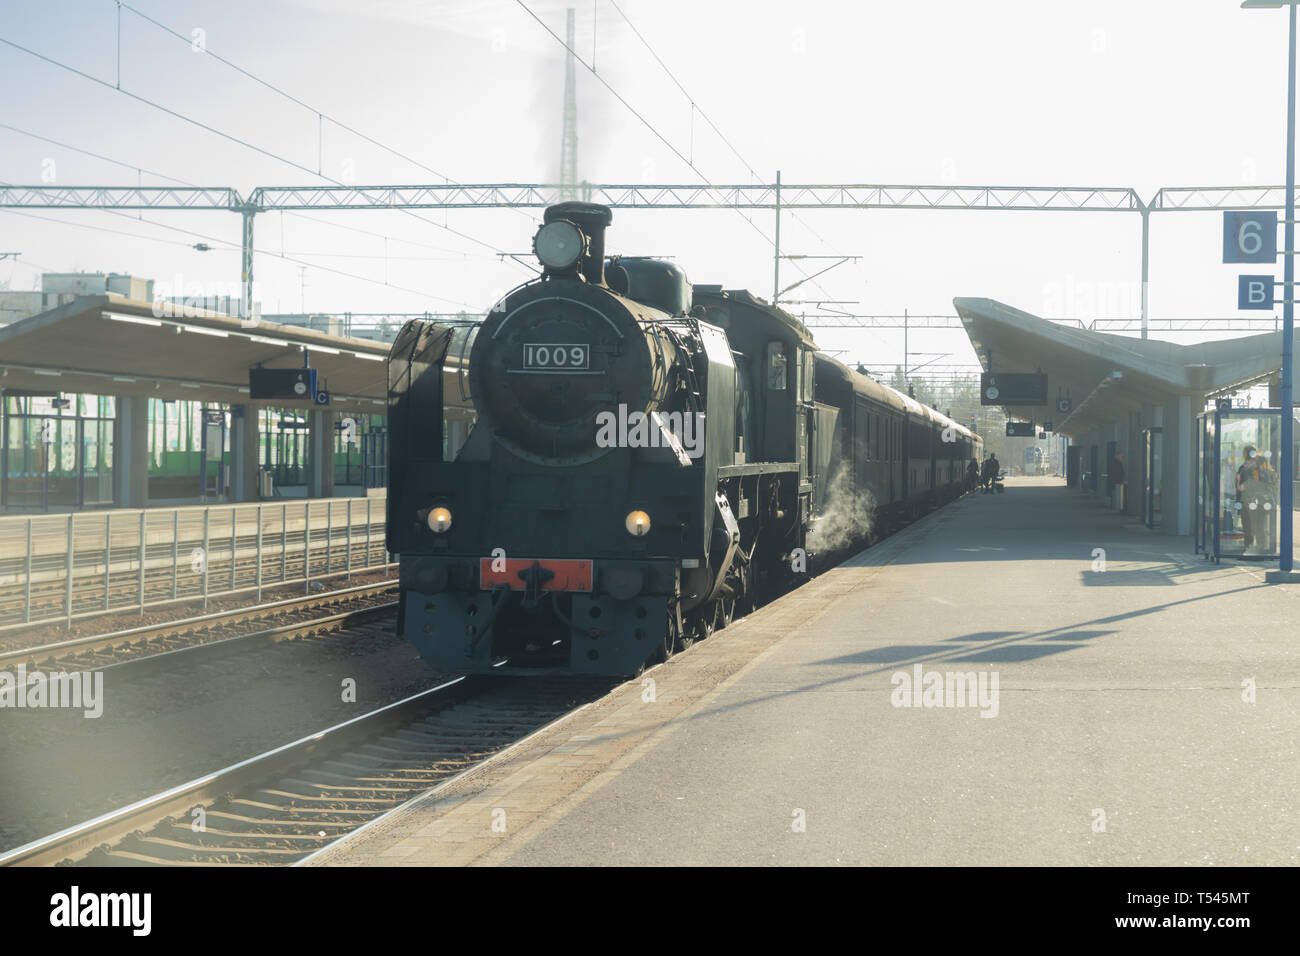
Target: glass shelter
[
  {"x": 1238, "y": 453},
  {"x": 56, "y": 451}
]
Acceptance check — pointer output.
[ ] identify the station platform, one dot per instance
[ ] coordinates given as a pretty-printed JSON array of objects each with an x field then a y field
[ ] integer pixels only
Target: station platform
[{"x": 1145, "y": 712}]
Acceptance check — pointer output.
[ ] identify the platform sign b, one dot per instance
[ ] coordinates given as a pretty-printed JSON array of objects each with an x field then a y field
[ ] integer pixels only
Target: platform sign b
[
  {"x": 1250, "y": 236},
  {"x": 1255, "y": 292}
]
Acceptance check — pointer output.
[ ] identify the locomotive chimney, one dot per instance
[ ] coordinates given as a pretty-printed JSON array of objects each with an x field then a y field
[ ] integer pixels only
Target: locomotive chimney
[{"x": 593, "y": 219}]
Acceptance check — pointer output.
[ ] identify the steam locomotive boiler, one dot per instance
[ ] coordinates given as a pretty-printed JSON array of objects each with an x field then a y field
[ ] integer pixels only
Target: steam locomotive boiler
[{"x": 648, "y": 460}]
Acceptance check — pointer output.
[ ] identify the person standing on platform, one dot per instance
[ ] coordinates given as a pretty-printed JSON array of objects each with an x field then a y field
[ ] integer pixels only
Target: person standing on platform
[
  {"x": 1256, "y": 491},
  {"x": 972, "y": 475},
  {"x": 991, "y": 468},
  {"x": 1115, "y": 480}
]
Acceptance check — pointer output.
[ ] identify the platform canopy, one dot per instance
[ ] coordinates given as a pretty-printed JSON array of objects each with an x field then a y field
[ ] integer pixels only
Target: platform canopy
[
  {"x": 109, "y": 345},
  {"x": 1108, "y": 376}
]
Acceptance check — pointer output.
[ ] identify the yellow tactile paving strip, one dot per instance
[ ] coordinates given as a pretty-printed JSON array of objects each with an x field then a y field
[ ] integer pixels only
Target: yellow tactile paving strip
[{"x": 485, "y": 816}]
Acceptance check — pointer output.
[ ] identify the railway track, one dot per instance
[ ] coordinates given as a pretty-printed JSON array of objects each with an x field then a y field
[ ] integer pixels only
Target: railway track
[
  {"x": 281, "y": 806},
  {"x": 159, "y": 644}
]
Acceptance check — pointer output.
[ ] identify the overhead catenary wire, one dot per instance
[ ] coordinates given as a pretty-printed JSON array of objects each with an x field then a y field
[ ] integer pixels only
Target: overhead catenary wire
[
  {"x": 696, "y": 108},
  {"x": 279, "y": 158},
  {"x": 321, "y": 114},
  {"x": 191, "y": 232},
  {"x": 230, "y": 246},
  {"x": 183, "y": 182},
  {"x": 229, "y": 137},
  {"x": 221, "y": 242},
  {"x": 635, "y": 112}
]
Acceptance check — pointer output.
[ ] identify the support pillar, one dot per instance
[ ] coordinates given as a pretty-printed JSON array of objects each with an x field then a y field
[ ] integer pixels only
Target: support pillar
[
  {"x": 320, "y": 466},
  {"x": 1133, "y": 449},
  {"x": 247, "y": 316},
  {"x": 244, "y": 448},
  {"x": 1183, "y": 453},
  {"x": 131, "y": 451},
  {"x": 1178, "y": 490},
  {"x": 1146, "y": 263}
]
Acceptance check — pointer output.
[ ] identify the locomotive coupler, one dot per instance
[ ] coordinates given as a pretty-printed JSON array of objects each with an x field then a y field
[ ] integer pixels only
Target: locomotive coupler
[{"x": 534, "y": 576}]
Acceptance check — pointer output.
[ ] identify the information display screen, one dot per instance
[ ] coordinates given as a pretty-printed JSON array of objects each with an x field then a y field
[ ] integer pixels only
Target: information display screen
[
  {"x": 1013, "y": 388},
  {"x": 292, "y": 383}
]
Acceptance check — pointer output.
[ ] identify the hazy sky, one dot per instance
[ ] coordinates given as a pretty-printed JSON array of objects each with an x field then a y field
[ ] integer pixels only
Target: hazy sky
[{"x": 1141, "y": 93}]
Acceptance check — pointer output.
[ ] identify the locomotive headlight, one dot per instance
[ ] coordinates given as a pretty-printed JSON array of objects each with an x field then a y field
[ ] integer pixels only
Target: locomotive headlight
[
  {"x": 439, "y": 519},
  {"x": 638, "y": 523},
  {"x": 559, "y": 244}
]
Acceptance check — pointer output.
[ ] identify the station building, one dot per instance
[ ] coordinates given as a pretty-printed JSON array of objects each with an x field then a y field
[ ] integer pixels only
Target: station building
[
  {"x": 1167, "y": 409},
  {"x": 109, "y": 401}
]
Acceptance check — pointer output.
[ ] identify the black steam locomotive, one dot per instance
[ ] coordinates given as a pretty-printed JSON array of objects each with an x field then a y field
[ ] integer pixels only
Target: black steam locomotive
[{"x": 650, "y": 458}]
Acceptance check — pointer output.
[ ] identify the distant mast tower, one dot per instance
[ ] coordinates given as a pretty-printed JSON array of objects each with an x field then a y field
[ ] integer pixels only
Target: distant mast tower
[{"x": 569, "y": 137}]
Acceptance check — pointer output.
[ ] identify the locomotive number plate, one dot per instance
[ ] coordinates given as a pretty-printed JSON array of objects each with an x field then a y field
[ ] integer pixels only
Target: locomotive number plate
[
  {"x": 566, "y": 575},
  {"x": 556, "y": 358}
]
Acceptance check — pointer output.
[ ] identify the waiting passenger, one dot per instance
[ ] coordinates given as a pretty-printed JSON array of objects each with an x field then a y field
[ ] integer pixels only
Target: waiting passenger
[
  {"x": 1115, "y": 480},
  {"x": 1256, "y": 484},
  {"x": 990, "y": 475},
  {"x": 972, "y": 475}
]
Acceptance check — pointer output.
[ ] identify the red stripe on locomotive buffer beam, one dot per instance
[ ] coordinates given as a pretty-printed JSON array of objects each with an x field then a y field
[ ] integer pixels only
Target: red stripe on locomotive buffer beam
[{"x": 569, "y": 575}]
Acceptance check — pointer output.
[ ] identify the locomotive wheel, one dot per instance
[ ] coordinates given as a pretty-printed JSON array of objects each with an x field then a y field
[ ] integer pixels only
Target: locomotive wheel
[
  {"x": 689, "y": 636},
  {"x": 670, "y": 642},
  {"x": 705, "y": 624},
  {"x": 726, "y": 611}
]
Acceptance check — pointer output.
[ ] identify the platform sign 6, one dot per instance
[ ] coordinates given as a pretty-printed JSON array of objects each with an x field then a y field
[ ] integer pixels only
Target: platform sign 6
[
  {"x": 1255, "y": 292},
  {"x": 1250, "y": 236}
]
